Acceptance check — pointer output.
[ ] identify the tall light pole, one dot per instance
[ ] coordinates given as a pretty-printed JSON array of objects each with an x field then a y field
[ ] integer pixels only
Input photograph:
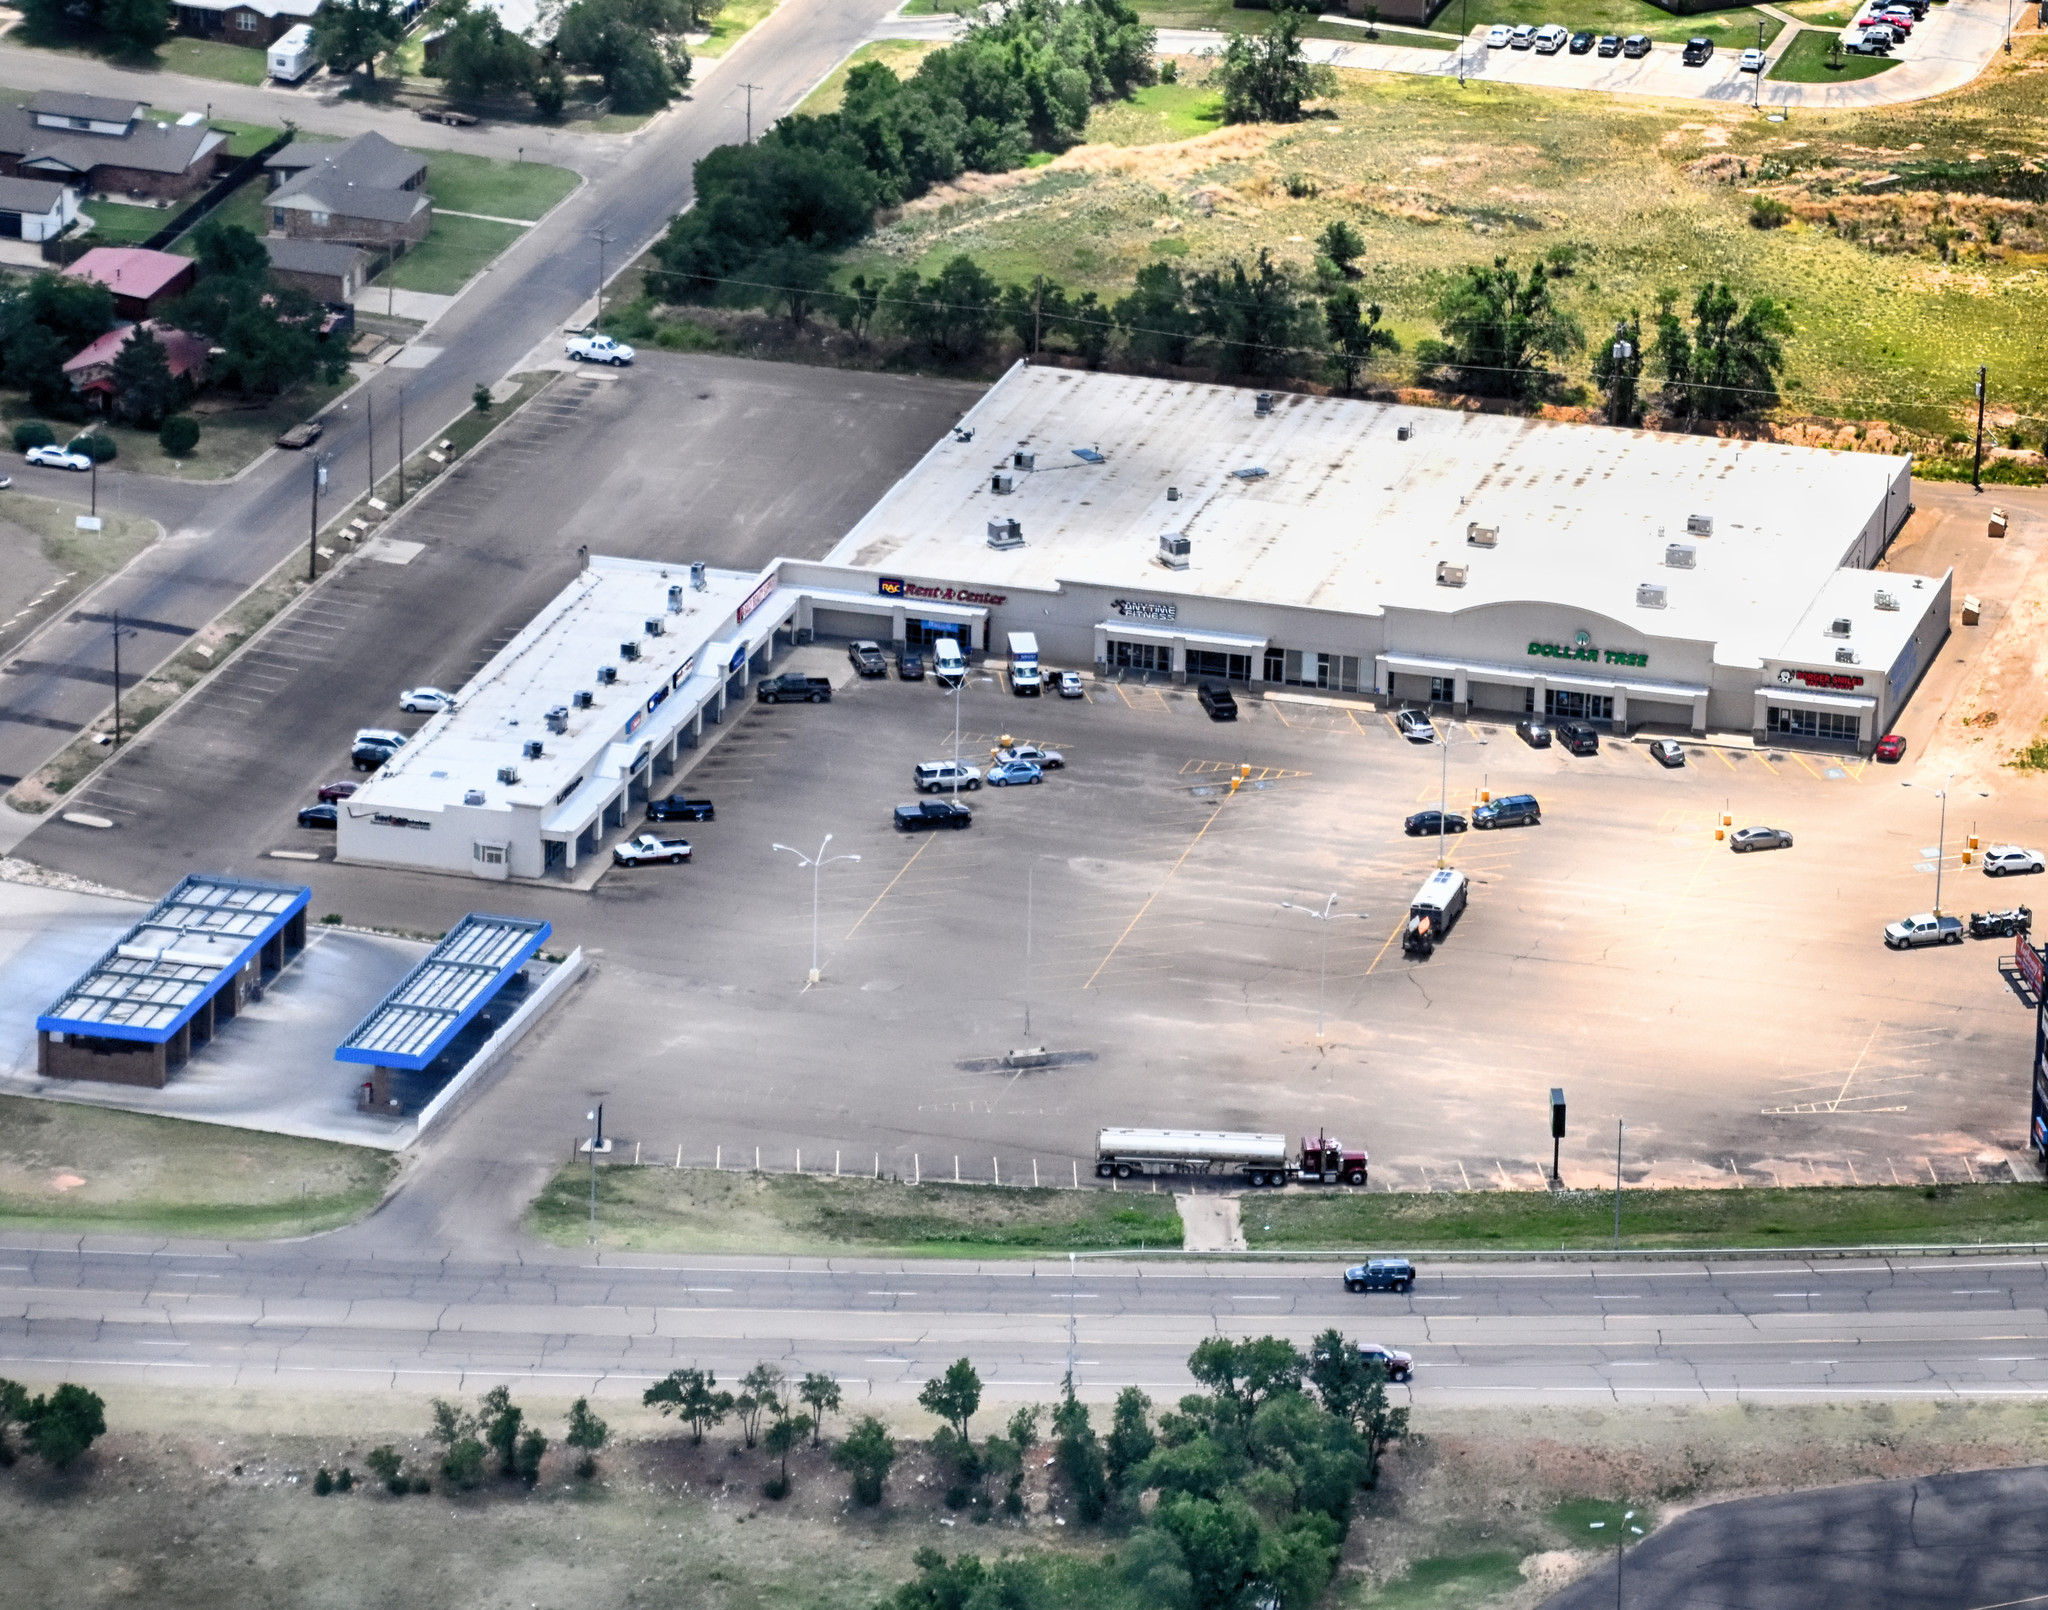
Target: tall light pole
[
  {"x": 313, "y": 536},
  {"x": 1977, "y": 459},
  {"x": 817, "y": 864},
  {"x": 1941, "y": 835},
  {"x": 595, "y": 1118},
  {"x": 1620, "y": 1129},
  {"x": 119, "y": 632},
  {"x": 1443, "y": 797},
  {"x": 401, "y": 444},
  {"x": 1326, "y": 916},
  {"x": 602, "y": 236}
]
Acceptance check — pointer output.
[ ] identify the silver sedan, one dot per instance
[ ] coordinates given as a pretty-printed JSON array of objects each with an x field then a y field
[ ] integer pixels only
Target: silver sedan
[{"x": 1744, "y": 839}]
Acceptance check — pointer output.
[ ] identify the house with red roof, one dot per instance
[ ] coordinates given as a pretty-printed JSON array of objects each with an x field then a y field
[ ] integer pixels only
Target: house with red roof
[
  {"x": 141, "y": 281},
  {"x": 91, "y": 372}
]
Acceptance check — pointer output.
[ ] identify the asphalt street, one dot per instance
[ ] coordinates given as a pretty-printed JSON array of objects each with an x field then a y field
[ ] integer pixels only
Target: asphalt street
[
  {"x": 352, "y": 1308},
  {"x": 225, "y": 542}
]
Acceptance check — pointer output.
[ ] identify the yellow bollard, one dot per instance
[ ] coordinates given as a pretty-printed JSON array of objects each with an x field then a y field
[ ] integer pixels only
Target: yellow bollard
[
  {"x": 1975, "y": 842},
  {"x": 1727, "y": 821},
  {"x": 1966, "y": 858},
  {"x": 1720, "y": 833},
  {"x": 1235, "y": 782}
]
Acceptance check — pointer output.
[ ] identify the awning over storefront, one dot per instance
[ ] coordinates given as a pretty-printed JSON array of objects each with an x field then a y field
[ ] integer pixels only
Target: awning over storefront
[
  {"x": 1804, "y": 699},
  {"x": 1194, "y": 637},
  {"x": 924, "y": 609}
]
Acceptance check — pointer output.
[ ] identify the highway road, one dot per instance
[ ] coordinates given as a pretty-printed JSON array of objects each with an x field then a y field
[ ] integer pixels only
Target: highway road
[
  {"x": 344, "y": 1310},
  {"x": 224, "y": 540}
]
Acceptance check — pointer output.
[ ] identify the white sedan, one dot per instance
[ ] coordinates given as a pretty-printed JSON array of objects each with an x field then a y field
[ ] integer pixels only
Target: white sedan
[
  {"x": 1050, "y": 759},
  {"x": 425, "y": 701},
  {"x": 2001, "y": 860},
  {"x": 649, "y": 848},
  {"x": 59, "y": 458},
  {"x": 1498, "y": 35},
  {"x": 1753, "y": 61}
]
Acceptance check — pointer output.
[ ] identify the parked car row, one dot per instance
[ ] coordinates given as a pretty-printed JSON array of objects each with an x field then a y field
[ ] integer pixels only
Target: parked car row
[
  {"x": 1883, "y": 26},
  {"x": 1549, "y": 39}
]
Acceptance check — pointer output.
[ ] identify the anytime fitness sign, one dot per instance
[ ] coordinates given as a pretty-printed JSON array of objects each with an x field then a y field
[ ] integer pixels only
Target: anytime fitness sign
[{"x": 1134, "y": 609}]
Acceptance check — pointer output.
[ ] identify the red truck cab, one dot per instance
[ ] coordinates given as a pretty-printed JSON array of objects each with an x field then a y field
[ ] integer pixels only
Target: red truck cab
[{"x": 1325, "y": 1161}]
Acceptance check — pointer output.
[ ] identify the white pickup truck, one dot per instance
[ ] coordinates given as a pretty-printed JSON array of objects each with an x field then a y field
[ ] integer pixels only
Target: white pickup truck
[
  {"x": 648, "y": 848},
  {"x": 598, "y": 349}
]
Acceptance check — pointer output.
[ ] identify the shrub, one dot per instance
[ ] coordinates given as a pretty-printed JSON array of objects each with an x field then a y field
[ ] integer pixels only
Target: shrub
[
  {"x": 59, "y": 1428},
  {"x": 98, "y": 445},
  {"x": 178, "y": 435},
  {"x": 389, "y": 1468},
  {"x": 1767, "y": 212},
  {"x": 323, "y": 1484},
  {"x": 32, "y": 433}
]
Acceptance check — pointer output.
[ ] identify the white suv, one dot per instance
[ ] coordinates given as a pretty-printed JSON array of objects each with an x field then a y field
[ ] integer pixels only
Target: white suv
[
  {"x": 1550, "y": 39},
  {"x": 946, "y": 776},
  {"x": 2003, "y": 859}
]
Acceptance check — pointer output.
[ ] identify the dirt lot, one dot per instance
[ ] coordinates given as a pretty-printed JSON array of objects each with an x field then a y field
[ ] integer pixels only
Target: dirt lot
[{"x": 197, "y": 1501}]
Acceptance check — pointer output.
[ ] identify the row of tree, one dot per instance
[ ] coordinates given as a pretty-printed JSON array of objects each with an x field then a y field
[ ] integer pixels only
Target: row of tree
[
  {"x": 471, "y": 1440},
  {"x": 57, "y": 1427}
]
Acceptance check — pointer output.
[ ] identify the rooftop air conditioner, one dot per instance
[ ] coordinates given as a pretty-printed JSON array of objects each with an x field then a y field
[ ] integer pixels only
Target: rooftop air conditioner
[
  {"x": 508, "y": 775},
  {"x": 1265, "y": 404},
  {"x": 697, "y": 581},
  {"x": 1450, "y": 575},
  {"x": 558, "y": 719},
  {"x": 1002, "y": 484},
  {"x": 1482, "y": 536},
  {"x": 1885, "y": 600},
  {"x": 532, "y": 748},
  {"x": 1839, "y": 626},
  {"x": 1005, "y": 534},
  {"x": 607, "y": 674},
  {"x": 1845, "y": 656},
  {"x": 581, "y": 698},
  {"x": 1650, "y": 595},
  {"x": 1021, "y": 460},
  {"x": 1403, "y": 432},
  {"x": 1680, "y": 555},
  {"x": 1173, "y": 550},
  {"x": 629, "y": 651},
  {"x": 1699, "y": 525},
  {"x": 474, "y": 796},
  {"x": 675, "y": 600},
  {"x": 1173, "y": 494},
  {"x": 653, "y": 626}
]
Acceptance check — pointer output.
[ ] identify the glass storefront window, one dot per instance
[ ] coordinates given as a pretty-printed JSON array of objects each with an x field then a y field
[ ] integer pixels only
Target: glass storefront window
[
  {"x": 1564, "y": 704},
  {"x": 1213, "y": 666},
  {"x": 1140, "y": 656},
  {"x": 1832, "y": 724}
]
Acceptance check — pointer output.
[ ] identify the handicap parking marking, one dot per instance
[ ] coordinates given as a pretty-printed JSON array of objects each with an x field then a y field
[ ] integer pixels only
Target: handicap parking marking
[{"x": 1254, "y": 774}]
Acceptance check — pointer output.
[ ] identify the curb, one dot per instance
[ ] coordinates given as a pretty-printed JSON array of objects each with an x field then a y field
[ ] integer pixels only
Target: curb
[{"x": 1884, "y": 1252}]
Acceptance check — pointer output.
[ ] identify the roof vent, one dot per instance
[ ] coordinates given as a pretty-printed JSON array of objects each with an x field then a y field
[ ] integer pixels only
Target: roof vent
[
  {"x": 606, "y": 674},
  {"x": 1265, "y": 405},
  {"x": 558, "y": 719},
  {"x": 1885, "y": 600},
  {"x": 532, "y": 749},
  {"x": 1091, "y": 455},
  {"x": 1680, "y": 555},
  {"x": 1845, "y": 656},
  {"x": 1021, "y": 460},
  {"x": 1005, "y": 534},
  {"x": 581, "y": 698},
  {"x": 1699, "y": 525},
  {"x": 697, "y": 581},
  {"x": 475, "y": 796},
  {"x": 629, "y": 651},
  {"x": 1839, "y": 626},
  {"x": 1482, "y": 536},
  {"x": 508, "y": 775},
  {"x": 1002, "y": 483},
  {"x": 1173, "y": 550},
  {"x": 1450, "y": 575},
  {"x": 1650, "y": 595},
  {"x": 1251, "y": 472}
]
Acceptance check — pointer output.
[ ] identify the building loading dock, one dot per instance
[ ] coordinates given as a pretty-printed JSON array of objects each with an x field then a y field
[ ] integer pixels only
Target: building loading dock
[{"x": 172, "y": 981}]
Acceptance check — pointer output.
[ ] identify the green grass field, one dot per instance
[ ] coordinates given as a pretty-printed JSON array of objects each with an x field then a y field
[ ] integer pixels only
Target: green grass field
[
  {"x": 900, "y": 55},
  {"x": 1806, "y": 1217},
  {"x": 209, "y": 58},
  {"x": 700, "y": 1210},
  {"x": 1462, "y": 16},
  {"x": 67, "y": 1166},
  {"x": 1805, "y": 61},
  {"x": 491, "y": 185},
  {"x": 115, "y": 223},
  {"x": 733, "y": 20},
  {"x": 448, "y": 258},
  {"x": 1159, "y": 114}
]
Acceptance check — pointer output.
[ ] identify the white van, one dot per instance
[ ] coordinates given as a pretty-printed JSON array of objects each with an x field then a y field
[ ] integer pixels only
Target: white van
[
  {"x": 949, "y": 667},
  {"x": 291, "y": 54},
  {"x": 1025, "y": 680}
]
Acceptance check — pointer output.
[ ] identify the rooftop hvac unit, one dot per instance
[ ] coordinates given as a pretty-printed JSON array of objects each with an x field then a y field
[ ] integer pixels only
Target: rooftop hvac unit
[
  {"x": 532, "y": 749},
  {"x": 1839, "y": 626},
  {"x": 1002, "y": 484},
  {"x": 558, "y": 719},
  {"x": 1265, "y": 405},
  {"x": 1005, "y": 534},
  {"x": 1450, "y": 575},
  {"x": 581, "y": 698},
  {"x": 508, "y": 775},
  {"x": 1482, "y": 536},
  {"x": 697, "y": 581},
  {"x": 1173, "y": 494},
  {"x": 1680, "y": 555},
  {"x": 1699, "y": 525},
  {"x": 1174, "y": 550},
  {"x": 1845, "y": 656},
  {"x": 1021, "y": 460},
  {"x": 1885, "y": 600},
  {"x": 675, "y": 599},
  {"x": 1650, "y": 595},
  {"x": 474, "y": 796},
  {"x": 629, "y": 651},
  {"x": 653, "y": 626},
  {"x": 607, "y": 674}
]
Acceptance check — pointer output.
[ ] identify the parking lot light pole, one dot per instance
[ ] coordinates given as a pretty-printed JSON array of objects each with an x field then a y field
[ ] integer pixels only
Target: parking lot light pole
[
  {"x": 1620, "y": 1129},
  {"x": 1443, "y": 794},
  {"x": 313, "y": 536},
  {"x": 1941, "y": 835},
  {"x": 817, "y": 864},
  {"x": 1326, "y": 916}
]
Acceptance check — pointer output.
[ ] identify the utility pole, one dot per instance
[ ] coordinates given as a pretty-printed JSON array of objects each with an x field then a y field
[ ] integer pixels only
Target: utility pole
[
  {"x": 1037, "y": 306},
  {"x": 401, "y": 444},
  {"x": 370, "y": 447},
  {"x": 95, "y": 481},
  {"x": 120, "y": 632},
  {"x": 750, "y": 88},
  {"x": 1977, "y": 462},
  {"x": 313, "y": 536},
  {"x": 602, "y": 236},
  {"x": 596, "y": 1117},
  {"x": 1619, "y": 1129}
]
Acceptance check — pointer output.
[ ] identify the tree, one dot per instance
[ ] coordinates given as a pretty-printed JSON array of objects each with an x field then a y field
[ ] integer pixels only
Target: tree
[
  {"x": 229, "y": 249},
  {"x": 1031, "y": 310},
  {"x": 950, "y": 314},
  {"x": 854, "y": 308},
  {"x": 481, "y": 57},
  {"x": 1131, "y": 1440},
  {"x": 269, "y": 335},
  {"x": 787, "y": 1431},
  {"x": 633, "y": 45},
  {"x": 1157, "y": 323},
  {"x": 500, "y": 1420},
  {"x": 1247, "y": 1373},
  {"x": 13, "y": 1408},
  {"x": 1618, "y": 371},
  {"x": 145, "y": 390},
  {"x": 550, "y": 90},
  {"x": 1253, "y": 318},
  {"x": 1728, "y": 365},
  {"x": 1342, "y": 244},
  {"x": 1355, "y": 335},
  {"x": 753, "y": 198},
  {"x": 389, "y": 1468},
  {"x": 1501, "y": 325},
  {"x": 59, "y": 1428},
  {"x": 1219, "y": 1539},
  {"x": 819, "y": 1394},
  {"x": 1356, "y": 1393},
  {"x": 462, "y": 1453},
  {"x": 178, "y": 435},
  {"x": 790, "y": 279},
  {"x": 526, "y": 1461},
  {"x": 1078, "y": 1455},
  {"x": 42, "y": 323},
  {"x": 692, "y": 1394},
  {"x": 1264, "y": 76},
  {"x": 760, "y": 1393},
  {"x": 587, "y": 1434},
  {"x": 954, "y": 1396},
  {"x": 352, "y": 34},
  {"x": 1086, "y": 326},
  {"x": 123, "y": 27},
  {"x": 866, "y": 1453}
]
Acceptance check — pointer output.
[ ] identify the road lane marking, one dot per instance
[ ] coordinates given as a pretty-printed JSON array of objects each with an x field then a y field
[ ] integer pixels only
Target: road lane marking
[{"x": 1154, "y": 895}]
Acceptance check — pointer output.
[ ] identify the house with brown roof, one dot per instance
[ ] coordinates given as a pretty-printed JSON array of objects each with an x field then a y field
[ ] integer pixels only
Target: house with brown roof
[
  {"x": 333, "y": 271},
  {"x": 98, "y": 143},
  {"x": 364, "y": 192},
  {"x": 91, "y": 372},
  {"x": 254, "y": 23},
  {"x": 142, "y": 281}
]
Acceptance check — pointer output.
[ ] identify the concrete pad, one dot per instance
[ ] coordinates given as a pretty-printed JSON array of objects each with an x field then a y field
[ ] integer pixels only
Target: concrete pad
[
  {"x": 396, "y": 304},
  {"x": 414, "y": 357}
]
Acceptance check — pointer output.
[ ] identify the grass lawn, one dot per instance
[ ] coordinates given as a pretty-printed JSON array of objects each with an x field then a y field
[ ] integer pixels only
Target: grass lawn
[
  {"x": 67, "y": 1166},
  {"x": 900, "y": 55},
  {"x": 445, "y": 261},
  {"x": 492, "y": 185},
  {"x": 699, "y": 1210},
  {"x": 209, "y": 58},
  {"x": 1158, "y": 114},
  {"x": 244, "y": 207},
  {"x": 1824, "y": 13},
  {"x": 734, "y": 19},
  {"x": 1806, "y": 1217},
  {"x": 116, "y": 223},
  {"x": 1462, "y": 16},
  {"x": 1805, "y": 61}
]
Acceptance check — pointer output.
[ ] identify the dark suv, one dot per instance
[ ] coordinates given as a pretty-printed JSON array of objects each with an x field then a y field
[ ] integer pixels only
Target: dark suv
[
  {"x": 1579, "y": 738},
  {"x": 1218, "y": 701},
  {"x": 1381, "y": 1274}
]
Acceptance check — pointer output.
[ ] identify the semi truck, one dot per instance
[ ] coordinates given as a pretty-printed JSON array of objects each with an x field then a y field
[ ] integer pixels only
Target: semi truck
[{"x": 1259, "y": 1160}]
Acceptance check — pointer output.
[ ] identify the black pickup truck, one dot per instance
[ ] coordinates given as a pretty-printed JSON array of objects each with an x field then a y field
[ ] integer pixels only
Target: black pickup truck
[
  {"x": 933, "y": 813},
  {"x": 794, "y": 689}
]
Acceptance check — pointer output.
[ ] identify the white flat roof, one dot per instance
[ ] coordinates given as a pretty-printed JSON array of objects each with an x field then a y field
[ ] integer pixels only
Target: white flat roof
[
  {"x": 557, "y": 654},
  {"x": 1348, "y": 517}
]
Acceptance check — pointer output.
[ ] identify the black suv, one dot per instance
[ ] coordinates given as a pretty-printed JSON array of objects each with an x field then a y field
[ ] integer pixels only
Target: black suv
[
  {"x": 1218, "y": 701},
  {"x": 677, "y": 809},
  {"x": 1579, "y": 738},
  {"x": 369, "y": 756},
  {"x": 1697, "y": 50}
]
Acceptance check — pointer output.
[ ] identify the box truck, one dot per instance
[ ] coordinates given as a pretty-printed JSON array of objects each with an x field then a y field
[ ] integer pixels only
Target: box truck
[{"x": 1025, "y": 680}]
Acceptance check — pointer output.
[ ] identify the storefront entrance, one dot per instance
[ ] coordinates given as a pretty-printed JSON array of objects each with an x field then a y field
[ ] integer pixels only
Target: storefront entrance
[
  {"x": 1566, "y": 704},
  {"x": 1141, "y": 656},
  {"x": 1837, "y": 726},
  {"x": 1212, "y": 666},
  {"x": 923, "y": 634},
  {"x": 1299, "y": 668}
]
